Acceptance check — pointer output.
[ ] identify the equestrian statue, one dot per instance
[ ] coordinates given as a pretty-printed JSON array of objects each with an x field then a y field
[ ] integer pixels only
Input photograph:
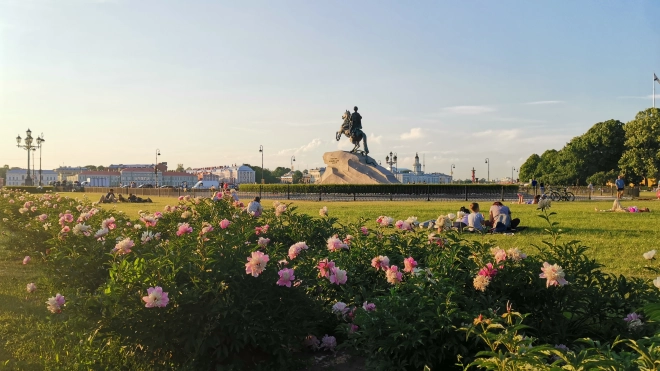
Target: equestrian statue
[{"x": 352, "y": 128}]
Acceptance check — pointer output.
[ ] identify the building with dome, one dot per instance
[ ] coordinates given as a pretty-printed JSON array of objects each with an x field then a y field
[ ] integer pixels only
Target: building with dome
[{"x": 417, "y": 176}]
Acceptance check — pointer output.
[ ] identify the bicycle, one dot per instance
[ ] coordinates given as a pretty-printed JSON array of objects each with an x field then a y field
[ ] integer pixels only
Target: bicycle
[{"x": 561, "y": 195}]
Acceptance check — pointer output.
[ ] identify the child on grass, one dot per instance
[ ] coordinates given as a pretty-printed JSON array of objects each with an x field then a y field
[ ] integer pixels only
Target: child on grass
[{"x": 476, "y": 220}]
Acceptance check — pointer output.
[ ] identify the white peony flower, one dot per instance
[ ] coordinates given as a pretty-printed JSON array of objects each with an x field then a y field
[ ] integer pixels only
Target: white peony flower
[{"x": 649, "y": 255}]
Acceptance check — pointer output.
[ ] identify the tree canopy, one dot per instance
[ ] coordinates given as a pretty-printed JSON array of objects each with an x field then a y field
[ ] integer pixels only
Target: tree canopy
[
  {"x": 641, "y": 158},
  {"x": 596, "y": 151}
]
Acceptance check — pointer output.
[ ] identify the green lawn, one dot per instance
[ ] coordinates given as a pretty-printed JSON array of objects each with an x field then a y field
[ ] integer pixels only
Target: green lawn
[{"x": 617, "y": 240}]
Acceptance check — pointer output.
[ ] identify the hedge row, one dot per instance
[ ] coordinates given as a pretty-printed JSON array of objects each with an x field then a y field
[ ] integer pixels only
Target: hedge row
[
  {"x": 382, "y": 188},
  {"x": 30, "y": 189}
]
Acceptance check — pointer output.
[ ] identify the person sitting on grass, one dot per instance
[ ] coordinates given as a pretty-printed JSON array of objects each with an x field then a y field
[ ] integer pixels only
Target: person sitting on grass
[
  {"x": 254, "y": 207},
  {"x": 501, "y": 213},
  {"x": 122, "y": 199},
  {"x": 109, "y": 198},
  {"x": 461, "y": 219},
  {"x": 476, "y": 220},
  {"x": 534, "y": 201}
]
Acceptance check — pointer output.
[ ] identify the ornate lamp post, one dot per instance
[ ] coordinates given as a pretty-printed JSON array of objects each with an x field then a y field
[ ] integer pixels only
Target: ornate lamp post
[
  {"x": 488, "y": 162},
  {"x": 512, "y": 170},
  {"x": 156, "y": 167},
  {"x": 293, "y": 158},
  {"x": 391, "y": 160},
  {"x": 40, "y": 140},
  {"x": 261, "y": 149},
  {"x": 28, "y": 147},
  {"x": 452, "y": 172}
]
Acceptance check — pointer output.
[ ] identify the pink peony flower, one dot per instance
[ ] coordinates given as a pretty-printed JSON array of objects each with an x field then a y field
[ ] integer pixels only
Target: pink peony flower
[
  {"x": 380, "y": 262},
  {"x": 384, "y": 221},
  {"x": 149, "y": 220},
  {"x": 68, "y": 218},
  {"x": 554, "y": 274},
  {"x": 399, "y": 224},
  {"x": 263, "y": 242},
  {"x": 369, "y": 307},
  {"x": 158, "y": 215},
  {"x": 515, "y": 254},
  {"x": 256, "y": 264},
  {"x": 224, "y": 223},
  {"x": 206, "y": 228},
  {"x": 155, "y": 298},
  {"x": 55, "y": 303},
  {"x": 286, "y": 276},
  {"x": 364, "y": 230},
  {"x": 499, "y": 254},
  {"x": 325, "y": 267},
  {"x": 296, "y": 248},
  {"x": 353, "y": 328},
  {"x": 409, "y": 264},
  {"x": 66, "y": 229},
  {"x": 109, "y": 223},
  {"x": 393, "y": 275},
  {"x": 340, "y": 308},
  {"x": 31, "y": 287},
  {"x": 26, "y": 260},
  {"x": 124, "y": 246},
  {"x": 42, "y": 218},
  {"x": 338, "y": 276},
  {"x": 488, "y": 271},
  {"x": 183, "y": 229},
  {"x": 335, "y": 244},
  {"x": 280, "y": 209},
  {"x": 328, "y": 342},
  {"x": 348, "y": 239},
  {"x": 261, "y": 230}
]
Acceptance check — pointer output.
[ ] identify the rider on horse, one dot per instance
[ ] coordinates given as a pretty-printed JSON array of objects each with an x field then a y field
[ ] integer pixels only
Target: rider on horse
[{"x": 356, "y": 121}]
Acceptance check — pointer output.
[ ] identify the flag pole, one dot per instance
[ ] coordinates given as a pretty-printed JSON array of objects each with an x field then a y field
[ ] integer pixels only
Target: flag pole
[{"x": 654, "y": 90}]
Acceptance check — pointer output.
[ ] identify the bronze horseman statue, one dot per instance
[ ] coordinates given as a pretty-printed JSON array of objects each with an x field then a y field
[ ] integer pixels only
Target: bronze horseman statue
[{"x": 352, "y": 128}]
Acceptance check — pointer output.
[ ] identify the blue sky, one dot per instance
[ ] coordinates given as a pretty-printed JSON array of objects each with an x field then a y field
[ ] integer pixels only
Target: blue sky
[{"x": 207, "y": 82}]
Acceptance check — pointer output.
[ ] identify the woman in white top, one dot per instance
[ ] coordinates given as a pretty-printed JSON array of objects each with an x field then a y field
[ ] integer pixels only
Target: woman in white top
[{"x": 476, "y": 220}]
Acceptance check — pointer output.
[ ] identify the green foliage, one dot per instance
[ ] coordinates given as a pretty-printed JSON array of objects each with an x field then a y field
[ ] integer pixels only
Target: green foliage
[
  {"x": 180, "y": 168},
  {"x": 641, "y": 158},
  {"x": 602, "y": 178},
  {"x": 597, "y": 150},
  {"x": 220, "y": 317}
]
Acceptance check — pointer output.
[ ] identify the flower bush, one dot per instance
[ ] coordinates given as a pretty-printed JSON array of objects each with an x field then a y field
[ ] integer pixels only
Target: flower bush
[{"x": 203, "y": 284}]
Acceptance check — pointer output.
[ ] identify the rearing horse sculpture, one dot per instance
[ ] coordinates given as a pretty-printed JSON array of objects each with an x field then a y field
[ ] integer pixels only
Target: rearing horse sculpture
[{"x": 354, "y": 134}]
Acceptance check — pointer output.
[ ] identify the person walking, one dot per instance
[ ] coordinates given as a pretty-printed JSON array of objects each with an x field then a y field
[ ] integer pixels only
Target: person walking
[{"x": 620, "y": 185}]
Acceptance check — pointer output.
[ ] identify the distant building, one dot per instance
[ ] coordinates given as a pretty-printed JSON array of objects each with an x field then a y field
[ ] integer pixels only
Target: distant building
[
  {"x": 175, "y": 178},
  {"x": 64, "y": 171},
  {"x": 16, "y": 177},
  {"x": 287, "y": 178},
  {"x": 136, "y": 166},
  {"x": 316, "y": 174},
  {"x": 417, "y": 176},
  {"x": 140, "y": 176},
  {"x": 227, "y": 174},
  {"x": 97, "y": 178}
]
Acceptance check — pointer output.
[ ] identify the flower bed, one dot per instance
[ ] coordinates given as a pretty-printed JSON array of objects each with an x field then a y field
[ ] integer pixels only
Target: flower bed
[{"x": 204, "y": 284}]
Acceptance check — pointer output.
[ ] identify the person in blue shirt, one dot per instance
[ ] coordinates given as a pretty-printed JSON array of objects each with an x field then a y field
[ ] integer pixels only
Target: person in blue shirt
[{"x": 620, "y": 184}]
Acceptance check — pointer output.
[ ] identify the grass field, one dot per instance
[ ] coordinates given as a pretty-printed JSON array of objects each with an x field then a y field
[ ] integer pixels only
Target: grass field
[{"x": 617, "y": 240}]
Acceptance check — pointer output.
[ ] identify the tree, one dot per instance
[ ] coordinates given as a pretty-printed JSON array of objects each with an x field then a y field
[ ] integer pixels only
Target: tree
[
  {"x": 529, "y": 170},
  {"x": 641, "y": 158},
  {"x": 297, "y": 177},
  {"x": 100, "y": 168},
  {"x": 3, "y": 172},
  {"x": 601, "y": 178},
  {"x": 179, "y": 168},
  {"x": 91, "y": 167}
]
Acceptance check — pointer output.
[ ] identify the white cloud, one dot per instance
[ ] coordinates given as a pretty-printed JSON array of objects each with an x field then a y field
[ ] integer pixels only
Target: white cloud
[
  {"x": 306, "y": 148},
  {"x": 469, "y": 110},
  {"x": 373, "y": 138},
  {"x": 500, "y": 134},
  {"x": 546, "y": 102},
  {"x": 650, "y": 96},
  {"x": 414, "y": 133}
]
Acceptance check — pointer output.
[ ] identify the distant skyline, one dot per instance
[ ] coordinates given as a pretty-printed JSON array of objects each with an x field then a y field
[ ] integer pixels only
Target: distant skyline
[{"x": 110, "y": 81}]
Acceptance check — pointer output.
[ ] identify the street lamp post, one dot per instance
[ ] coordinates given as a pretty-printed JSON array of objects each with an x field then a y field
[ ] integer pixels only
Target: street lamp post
[
  {"x": 293, "y": 158},
  {"x": 261, "y": 149},
  {"x": 452, "y": 172},
  {"x": 156, "y": 167},
  {"x": 488, "y": 162},
  {"x": 40, "y": 140},
  {"x": 512, "y": 170},
  {"x": 392, "y": 161},
  {"x": 28, "y": 147}
]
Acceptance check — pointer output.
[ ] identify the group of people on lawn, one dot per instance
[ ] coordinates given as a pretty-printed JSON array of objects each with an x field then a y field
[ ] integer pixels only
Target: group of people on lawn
[
  {"x": 110, "y": 198},
  {"x": 499, "y": 219}
]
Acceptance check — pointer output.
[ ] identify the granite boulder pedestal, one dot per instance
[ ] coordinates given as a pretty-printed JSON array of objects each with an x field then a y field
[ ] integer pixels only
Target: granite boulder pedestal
[{"x": 350, "y": 168}]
